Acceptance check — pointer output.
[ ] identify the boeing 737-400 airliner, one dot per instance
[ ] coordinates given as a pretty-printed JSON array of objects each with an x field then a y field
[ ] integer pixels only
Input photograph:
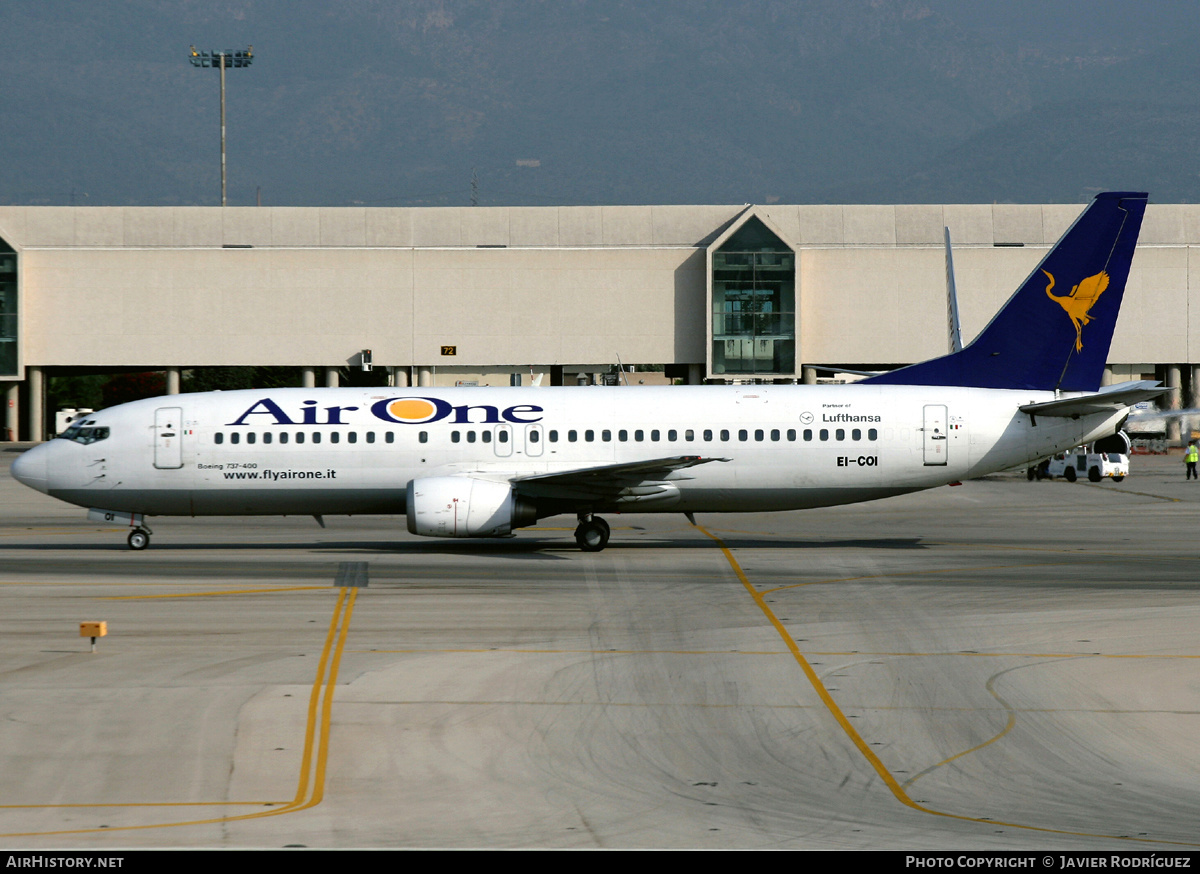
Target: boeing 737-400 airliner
[{"x": 481, "y": 462}]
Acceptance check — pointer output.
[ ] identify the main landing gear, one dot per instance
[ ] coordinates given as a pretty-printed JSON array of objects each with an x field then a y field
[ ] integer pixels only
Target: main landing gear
[
  {"x": 592, "y": 533},
  {"x": 139, "y": 538}
]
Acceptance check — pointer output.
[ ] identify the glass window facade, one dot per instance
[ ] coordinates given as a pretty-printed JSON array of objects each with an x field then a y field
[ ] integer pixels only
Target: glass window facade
[
  {"x": 8, "y": 310},
  {"x": 754, "y": 303}
]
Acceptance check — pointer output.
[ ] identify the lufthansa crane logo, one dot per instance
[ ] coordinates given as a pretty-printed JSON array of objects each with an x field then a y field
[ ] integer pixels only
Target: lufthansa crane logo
[{"x": 1081, "y": 299}]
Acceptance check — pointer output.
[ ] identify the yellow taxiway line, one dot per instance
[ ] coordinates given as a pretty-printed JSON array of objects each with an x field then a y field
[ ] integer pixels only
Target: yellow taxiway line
[
  {"x": 876, "y": 764},
  {"x": 310, "y": 789}
]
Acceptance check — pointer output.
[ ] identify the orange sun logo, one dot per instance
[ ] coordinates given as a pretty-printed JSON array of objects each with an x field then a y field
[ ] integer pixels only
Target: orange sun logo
[{"x": 411, "y": 410}]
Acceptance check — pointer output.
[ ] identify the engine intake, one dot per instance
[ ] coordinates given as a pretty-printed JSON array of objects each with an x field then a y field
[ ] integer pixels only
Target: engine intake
[{"x": 460, "y": 506}]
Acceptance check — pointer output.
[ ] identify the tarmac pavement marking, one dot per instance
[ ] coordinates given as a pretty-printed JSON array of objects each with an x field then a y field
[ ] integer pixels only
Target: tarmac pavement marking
[
  {"x": 311, "y": 786},
  {"x": 876, "y": 764}
]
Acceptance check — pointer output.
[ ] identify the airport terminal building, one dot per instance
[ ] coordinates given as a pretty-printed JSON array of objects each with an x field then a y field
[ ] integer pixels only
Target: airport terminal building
[{"x": 445, "y": 295}]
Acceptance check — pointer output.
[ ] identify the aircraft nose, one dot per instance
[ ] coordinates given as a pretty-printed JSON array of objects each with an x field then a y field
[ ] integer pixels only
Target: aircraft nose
[{"x": 29, "y": 468}]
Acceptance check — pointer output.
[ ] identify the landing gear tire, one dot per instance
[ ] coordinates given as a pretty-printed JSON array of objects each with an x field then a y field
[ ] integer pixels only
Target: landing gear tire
[
  {"x": 592, "y": 535},
  {"x": 1094, "y": 475},
  {"x": 139, "y": 539},
  {"x": 1117, "y": 479},
  {"x": 1031, "y": 474},
  {"x": 1070, "y": 474}
]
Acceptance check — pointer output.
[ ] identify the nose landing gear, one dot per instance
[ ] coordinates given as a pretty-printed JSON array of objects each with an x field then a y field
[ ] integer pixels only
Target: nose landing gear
[{"x": 592, "y": 533}]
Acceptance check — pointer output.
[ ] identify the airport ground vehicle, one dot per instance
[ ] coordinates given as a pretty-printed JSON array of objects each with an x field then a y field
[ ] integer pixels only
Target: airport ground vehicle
[
  {"x": 1096, "y": 466},
  {"x": 1104, "y": 459}
]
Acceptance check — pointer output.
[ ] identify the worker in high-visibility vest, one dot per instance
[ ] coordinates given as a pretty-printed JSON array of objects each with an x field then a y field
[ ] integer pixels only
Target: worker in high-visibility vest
[{"x": 1191, "y": 457}]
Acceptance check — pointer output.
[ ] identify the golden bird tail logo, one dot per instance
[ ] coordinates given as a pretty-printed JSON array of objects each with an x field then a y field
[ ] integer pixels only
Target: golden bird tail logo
[{"x": 1081, "y": 299}]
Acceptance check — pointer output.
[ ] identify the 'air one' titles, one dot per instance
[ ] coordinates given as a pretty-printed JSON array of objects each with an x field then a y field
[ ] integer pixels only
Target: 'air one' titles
[{"x": 398, "y": 411}]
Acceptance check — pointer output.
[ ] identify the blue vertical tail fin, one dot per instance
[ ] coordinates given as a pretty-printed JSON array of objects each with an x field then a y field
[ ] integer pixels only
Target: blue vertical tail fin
[{"x": 1055, "y": 331}]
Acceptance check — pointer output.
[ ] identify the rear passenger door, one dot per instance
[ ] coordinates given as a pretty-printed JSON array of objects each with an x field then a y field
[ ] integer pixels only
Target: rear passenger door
[{"x": 935, "y": 433}]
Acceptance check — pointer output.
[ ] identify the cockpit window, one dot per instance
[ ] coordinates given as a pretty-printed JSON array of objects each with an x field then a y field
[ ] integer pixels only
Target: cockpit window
[{"x": 84, "y": 433}]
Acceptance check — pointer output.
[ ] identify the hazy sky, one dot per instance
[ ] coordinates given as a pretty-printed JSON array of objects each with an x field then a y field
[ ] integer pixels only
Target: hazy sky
[{"x": 552, "y": 102}]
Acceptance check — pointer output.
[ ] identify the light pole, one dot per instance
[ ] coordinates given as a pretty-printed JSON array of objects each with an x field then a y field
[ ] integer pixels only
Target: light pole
[{"x": 222, "y": 60}]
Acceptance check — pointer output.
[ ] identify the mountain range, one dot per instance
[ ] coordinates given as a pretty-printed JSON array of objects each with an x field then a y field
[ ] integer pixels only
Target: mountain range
[{"x": 559, "y": 102}]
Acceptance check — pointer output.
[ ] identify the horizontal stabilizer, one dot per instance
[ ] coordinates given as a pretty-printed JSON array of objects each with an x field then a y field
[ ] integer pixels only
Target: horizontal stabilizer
[
  {"x": 1109, "y": 400},
  {"x": 952, "y": 322},
  {"x": 840, "y": 369},
  {"x": 1164, "y": 415}
]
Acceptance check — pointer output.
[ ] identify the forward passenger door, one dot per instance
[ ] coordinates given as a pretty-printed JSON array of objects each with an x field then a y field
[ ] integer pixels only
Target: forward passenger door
[{"x": 168, "y": 438}]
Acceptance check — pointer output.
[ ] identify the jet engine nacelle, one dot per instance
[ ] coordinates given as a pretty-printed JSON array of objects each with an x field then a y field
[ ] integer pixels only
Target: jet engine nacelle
[{"x": 459, "y": 506}]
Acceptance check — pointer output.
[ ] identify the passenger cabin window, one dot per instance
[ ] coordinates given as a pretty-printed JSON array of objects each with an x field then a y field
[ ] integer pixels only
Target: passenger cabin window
[
  {"x": 333, "y": 437},
  {"x": 251, "y": 437},
  {"x": 283, "y": 437},
  {"x": 235, "y": 437},
  {"x": 299, "y": 436},
  {"x": 390, "y": 437},
  {"x": 352, "y": 437},
  {"x": 371, "y": 436},
  {"x": 423, "y": 437},
  {"x": 267, "y": 437},
  {"x": 218, "y": 438},
  {"x": 316, "y": 437}
]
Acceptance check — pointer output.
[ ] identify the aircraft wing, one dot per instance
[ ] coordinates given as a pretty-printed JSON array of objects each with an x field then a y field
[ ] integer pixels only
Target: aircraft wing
[
  {"x": 1107, "y": 400},
  {"x": 607, "y": 480}
]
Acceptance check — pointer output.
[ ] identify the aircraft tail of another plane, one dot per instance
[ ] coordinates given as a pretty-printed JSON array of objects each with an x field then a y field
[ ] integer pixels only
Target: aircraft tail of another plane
[{"x": 1055, "y": 331}]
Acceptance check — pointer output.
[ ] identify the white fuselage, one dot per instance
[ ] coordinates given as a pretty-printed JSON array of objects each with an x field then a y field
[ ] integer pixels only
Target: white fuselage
[{"x": 334, "y": 451}]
